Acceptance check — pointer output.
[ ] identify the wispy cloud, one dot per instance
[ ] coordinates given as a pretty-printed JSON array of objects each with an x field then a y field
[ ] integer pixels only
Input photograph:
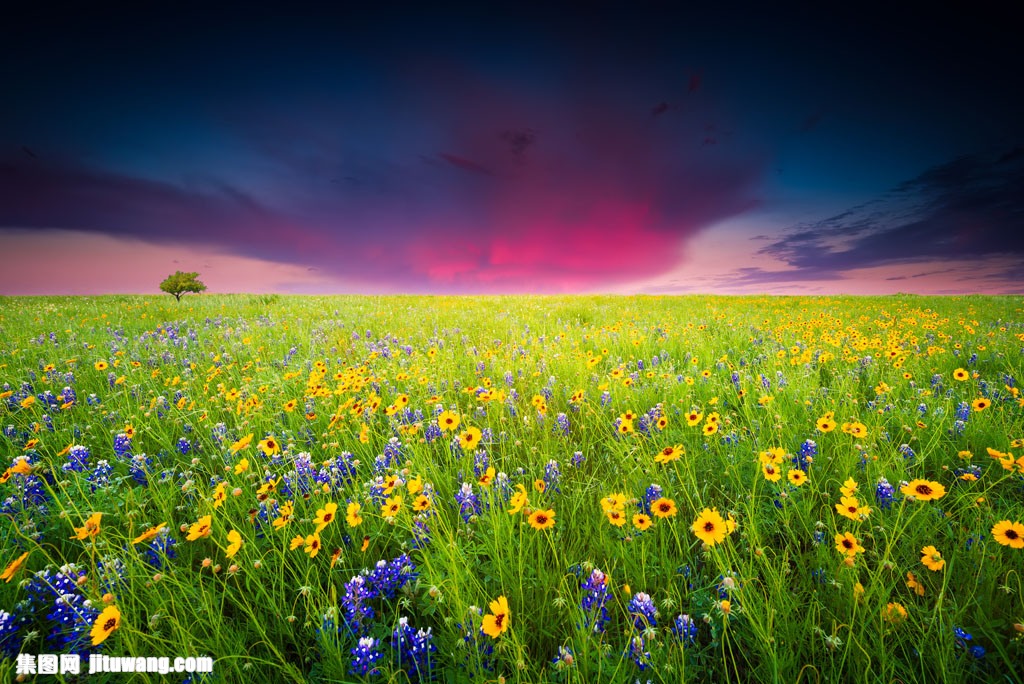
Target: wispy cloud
[{"x": 971, "y": 207}]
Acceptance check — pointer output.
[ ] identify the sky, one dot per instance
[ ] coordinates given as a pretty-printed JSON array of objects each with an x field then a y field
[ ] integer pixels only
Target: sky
[{"x": 602, "y": 147}]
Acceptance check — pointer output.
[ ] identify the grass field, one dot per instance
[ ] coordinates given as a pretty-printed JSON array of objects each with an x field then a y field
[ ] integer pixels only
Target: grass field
[{"x": 521, "y": 489}]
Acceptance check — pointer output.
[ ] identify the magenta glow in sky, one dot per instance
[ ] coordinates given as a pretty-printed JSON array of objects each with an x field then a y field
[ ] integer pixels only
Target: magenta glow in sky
[{"x": 611, "y": 150}]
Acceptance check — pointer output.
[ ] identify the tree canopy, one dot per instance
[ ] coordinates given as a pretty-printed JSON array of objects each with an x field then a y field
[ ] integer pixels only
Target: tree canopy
[{"x": 180, "y": 283}]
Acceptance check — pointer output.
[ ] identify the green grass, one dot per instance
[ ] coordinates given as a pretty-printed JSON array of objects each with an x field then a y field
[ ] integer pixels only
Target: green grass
[{"x": 770, "y": 367}]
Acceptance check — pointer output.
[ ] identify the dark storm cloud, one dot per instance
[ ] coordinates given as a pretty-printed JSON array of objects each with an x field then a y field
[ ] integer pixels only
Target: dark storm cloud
[{"x": 969, "y": 208}]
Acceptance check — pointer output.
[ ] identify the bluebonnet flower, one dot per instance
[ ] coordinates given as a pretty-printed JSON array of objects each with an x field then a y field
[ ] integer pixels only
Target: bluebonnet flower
[
  {"x": 481, "y": 461},
  {"x": 727, "y": 584},
  {"x": 908, "y": 453},
  {"x": 184, "y": 446},
  {"x": 69, "y": 616},
  {"x": 684, "y": 629},
  {"x": 884, "y": 493},
  {"x": 389, "y": 577},
  {"x": 638, "y": 653},
  {"x": 77, "y": 459},
  {"x": 578, "y": 459},
  {"x": 808, "y": 451},
  {"x": 652, "y": 494},
  {"x": 595, "y": 598},
  {"x": 30, "y": 495},
  {"x": 122, "y": 445},
  {"x": 606, "y": 398},
  {"x": 432, "y": 432},
  {"x": 139, "y": 468},
  {"x": 219, "y": 433},
  {"x": 480, "y": 656},
  {"x": 562, "y": 423},
  {"x": 10, "y": 626},
  {"x": 160, "y": 551},
  {"x": 111, "y": 572},
  {"x": 563, "y": 659},
  {"x": 413, "y": 649},
  {"x": 963, "y": 411},
  {"x": 469, "y": 503},
  {"x": 365, "y": 657},
  {"x": 391, "y": 456},
  {"x": 552, "y": 475},
  {"x": 961, "y": 638},
  {"x": 420, "y": 534},
  {"x": 643, "y": 611},
  {"x": 355, "y": 602}
]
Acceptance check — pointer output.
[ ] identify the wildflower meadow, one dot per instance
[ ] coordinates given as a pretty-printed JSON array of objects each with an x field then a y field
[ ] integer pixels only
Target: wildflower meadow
[{"x": 515, "y": 489}]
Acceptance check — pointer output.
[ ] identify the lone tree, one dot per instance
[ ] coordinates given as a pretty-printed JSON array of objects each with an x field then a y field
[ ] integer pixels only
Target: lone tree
[{"x": 179, "y": 283}]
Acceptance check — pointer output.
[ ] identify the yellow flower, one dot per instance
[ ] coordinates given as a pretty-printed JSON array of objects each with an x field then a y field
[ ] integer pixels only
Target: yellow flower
[
  {"x": 488, "y": 477},
  {"x": 932, "y": 559},
  {"x": 448, "y": 421},
  {"x": 149, "y": 534},
  {"x": 21, "y": 466},
  {"x": 615, "y": 517},
  {"x": 241, "y": 444},
  {"x": 312, "y": 543},
  {"x": 352, "y": 517},
  {"x": 774, "y": 456},
  {"x": 826, "y": 424},
  {"x": 470, "y": 438},
  {"x": 663, "y": 508},
  {"x": 325, "y": 516},
  {"x": 518, "y": 500},
  {"x": 849, "y": 487},
  {"x": 894, "y": 613},
  {"x": 924, "y": 490},
  {"x": 613, "y": 502},
  {"x": 670, "y": 453},
  {"x": 269, "y": 446},
  {"x": 980, "y": 404},
  {"x": 497, "y": 621},
  {"x": 542, "y": 520},
  {"x": 710, "y": 528},
  {"x": 415, "y": 486},
  {"x": 297, "y": 541},
  {"x": 421, "y": 503},
  {"x": 847, "y": 544},
  {"x": 642, "y": 522},
  {"x": 850, "y": 507},
  {"x": 797, "y": 477},
  {"x": 13, "y": 567},
  {"x": 914, "y": 585},
  {"x": 241, "y": 466},
  {"x": 771, "y": 472},
  {"x": 201, "y": 528},
  {"x": 106, "y": 623},
  {"x": 391, "y": 507},
  {"x": 1009, "y": 533},
  {"x": 220, "y": 494},
  {"x": 960, "y": 374},
  {"x": 91, "y": 528},
  {"x": 234, "y": 543}
]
